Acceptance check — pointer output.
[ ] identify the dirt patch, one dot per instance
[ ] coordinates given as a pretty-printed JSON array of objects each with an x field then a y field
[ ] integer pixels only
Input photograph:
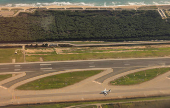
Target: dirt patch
[
  {"x": 36, "y": 54},
  {"x": 160, "y": 46},
  {"x": 120, "y": 47},
  {"x": 41, "y": 59},
  {"x": 39, "y": 50},
  {"x": 78, "y": 50},
  {"x": 75, "y": 50},
  {"x": 60, "y": 50},
  {"x": 6, "y": 13},
  {"x": 123, "y": 51}
]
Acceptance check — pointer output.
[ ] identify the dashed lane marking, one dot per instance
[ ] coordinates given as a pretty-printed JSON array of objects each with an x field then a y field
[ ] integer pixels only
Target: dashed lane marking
[
  {"x": 29, "y": 71},
  {"x": 3, "y": 87},
  {"x": 44, "y": 64},
  {"x": 17, "y": 65},
  {"x": 49, "y": 70},
  {"x": 97, "y": 82},
  {"x": 45, "y": 68}
]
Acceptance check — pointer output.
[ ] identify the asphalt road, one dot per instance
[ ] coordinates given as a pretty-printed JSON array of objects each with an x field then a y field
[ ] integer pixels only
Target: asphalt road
[{"x": 118, "y": 65}]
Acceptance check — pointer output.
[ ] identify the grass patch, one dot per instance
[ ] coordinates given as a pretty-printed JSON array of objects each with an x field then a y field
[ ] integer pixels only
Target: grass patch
[
  {"x": 91, "y": 50},
  {"x": 149, "y": 104},
  {"x": 95, "y": 53},
  {"x": 58, "y": 81},
  {"x": 148, "y": 7},
  {"x": 88, "y": 56},
  {"x": 5, "y": 9},
  {"x": 7, "y": 54},
  {"x": 32, "y": 58},
  {"x": 15, "y": 11},
  {"x": 139, "y": 77},
  {"x": 2, "y": 77},
  {"x": 63, "y": 105}
]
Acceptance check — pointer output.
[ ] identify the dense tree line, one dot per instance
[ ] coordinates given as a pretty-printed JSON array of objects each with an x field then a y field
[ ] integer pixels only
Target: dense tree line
[{"x": 84, "y": 25}]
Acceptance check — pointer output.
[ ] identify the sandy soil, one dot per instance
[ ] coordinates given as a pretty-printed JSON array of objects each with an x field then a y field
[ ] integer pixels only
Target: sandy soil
[
  {"x": 6, "y": 13},
  {"x": 119, "y": 47},
  {"x": 160, "y": 46},
  {"x": 126, "y": 49},
  {"x": 72, "y": 6},
  {"x": 38, "y": 50},
  {"x": 60, "y": 50}
]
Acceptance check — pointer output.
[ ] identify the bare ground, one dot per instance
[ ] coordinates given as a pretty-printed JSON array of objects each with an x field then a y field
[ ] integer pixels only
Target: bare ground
[
  {"x": 73, "y": 50},
  {"x": 39, "y": 50}
]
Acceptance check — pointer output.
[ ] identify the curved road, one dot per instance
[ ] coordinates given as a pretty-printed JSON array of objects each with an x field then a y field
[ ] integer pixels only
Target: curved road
[
  {"x": 119, "y": 66},
  {"x": 87, "y": 89}
]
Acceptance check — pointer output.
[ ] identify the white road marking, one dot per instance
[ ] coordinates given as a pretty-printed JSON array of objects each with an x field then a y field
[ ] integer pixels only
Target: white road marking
[
  {"x": 44, "y": 64},
  {"x": 91, "y": 66},
  {"x": 17, "y": 69},
  {"x": 3, "y": 87},
  {"x": 49, "y": 70},
  {"x": 97, "y": 82},
  {"x": 45, "y": 68},
  {"x": 17, "y": 65},
  {"x": 29, "y": 71},
  {"x": 4, "y": 68}
]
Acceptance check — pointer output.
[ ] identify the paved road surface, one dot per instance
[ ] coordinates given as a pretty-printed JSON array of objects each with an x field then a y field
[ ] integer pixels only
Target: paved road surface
[
  {"x": 118, "y": 65},
  {"x": 88, "y": 88}
]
